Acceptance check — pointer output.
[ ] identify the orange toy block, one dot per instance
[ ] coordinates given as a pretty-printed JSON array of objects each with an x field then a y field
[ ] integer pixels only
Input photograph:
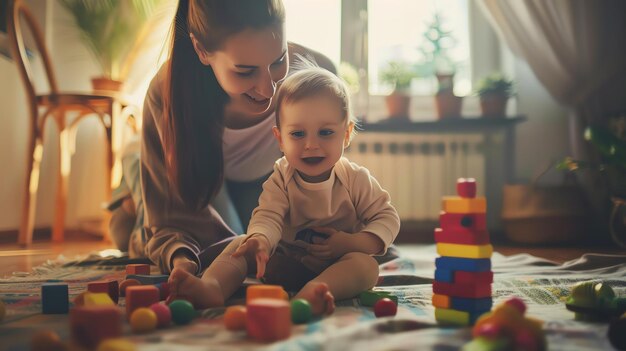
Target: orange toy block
[
  {"x": 462, "y": 221},
  {"x": 441, "y": 301},
  {"x": 462, "y": 290},
  {"x": 455, "y": 204},
  {"x": 463, "y": 236},
  {"x": 265, "y": 291},
  {"x": 268, "y": 319},
  {"x": 463, "y": 277},
  {"x": 91, "y": 324},
  {"x": 143, "y": 269},
  {"x": 110, "y": 287},
  {"x": 140, "y": 296}
]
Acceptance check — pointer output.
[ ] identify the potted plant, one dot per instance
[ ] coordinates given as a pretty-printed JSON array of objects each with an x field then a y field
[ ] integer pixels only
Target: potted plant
[
  {"x": 111, "y": 30},
  {"x": 494, "y": 91},
  {"x": 398, "y": 75}
]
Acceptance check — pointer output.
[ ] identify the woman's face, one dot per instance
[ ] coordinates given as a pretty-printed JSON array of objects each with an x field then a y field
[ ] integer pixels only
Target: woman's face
[{"x": 248, "y": 67}]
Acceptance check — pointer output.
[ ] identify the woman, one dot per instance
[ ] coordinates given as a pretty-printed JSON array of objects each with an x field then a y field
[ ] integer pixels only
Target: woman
[{"x": 207, "y": 143}]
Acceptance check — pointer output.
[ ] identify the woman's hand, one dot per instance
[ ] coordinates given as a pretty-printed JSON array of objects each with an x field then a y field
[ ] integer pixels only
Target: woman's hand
[
  {"x": 259, "y": 246},
  {"x": 336, "y": 245}
]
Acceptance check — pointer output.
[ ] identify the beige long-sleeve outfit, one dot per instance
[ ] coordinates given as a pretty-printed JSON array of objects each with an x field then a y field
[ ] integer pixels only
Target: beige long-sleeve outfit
[{"x": 351, "y": 200}]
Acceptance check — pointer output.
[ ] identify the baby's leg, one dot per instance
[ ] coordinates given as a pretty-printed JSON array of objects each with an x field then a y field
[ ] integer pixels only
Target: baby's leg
[
  {"x": 351, "y": 274},
  {"x": 218, "y": 282}
]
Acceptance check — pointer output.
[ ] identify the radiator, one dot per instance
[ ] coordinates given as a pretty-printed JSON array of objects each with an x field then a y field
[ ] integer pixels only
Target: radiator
[{"x": 418, "y": 169}]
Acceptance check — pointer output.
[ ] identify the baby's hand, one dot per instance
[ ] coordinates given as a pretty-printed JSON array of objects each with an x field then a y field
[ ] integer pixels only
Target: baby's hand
[
  {"x": 259, "y": 246},
  {"x": 336, "y": 245}
]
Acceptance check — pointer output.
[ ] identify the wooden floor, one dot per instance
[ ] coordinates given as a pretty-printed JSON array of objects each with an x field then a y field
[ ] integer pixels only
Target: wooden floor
[{"x": 14, "y": 258}]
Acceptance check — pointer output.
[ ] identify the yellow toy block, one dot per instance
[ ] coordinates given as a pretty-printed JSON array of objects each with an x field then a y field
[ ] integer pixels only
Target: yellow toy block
[
  {"x": 452, "y": 317},
  {"x": 455, "y": 204},
  {"x": 464, "y": 251},
  {"x": 441, "y": 301},
  {"x": 266, "y": 291},
  {"x": 98, "y": 299}
]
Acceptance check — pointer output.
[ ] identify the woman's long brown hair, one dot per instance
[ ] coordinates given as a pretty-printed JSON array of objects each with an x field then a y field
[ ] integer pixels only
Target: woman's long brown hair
[{"x": 194, "y": 104}]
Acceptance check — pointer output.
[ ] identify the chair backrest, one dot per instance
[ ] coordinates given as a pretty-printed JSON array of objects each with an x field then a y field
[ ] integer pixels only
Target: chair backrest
[{"x": 15, "y": 12}]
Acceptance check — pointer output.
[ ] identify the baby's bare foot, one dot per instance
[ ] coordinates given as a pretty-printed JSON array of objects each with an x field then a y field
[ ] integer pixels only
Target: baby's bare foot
[
  {"x": 202, "y": 293},
  {"x": 320, "y": 298}
]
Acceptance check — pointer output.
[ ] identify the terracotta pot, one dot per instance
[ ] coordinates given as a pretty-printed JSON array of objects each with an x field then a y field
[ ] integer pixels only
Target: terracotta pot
[
  {"x": 398, "y": 105},
  {"x": 106, "y": 84},
  {"x": 493, "y": 105},
  {"x": 448, "y": 105}
]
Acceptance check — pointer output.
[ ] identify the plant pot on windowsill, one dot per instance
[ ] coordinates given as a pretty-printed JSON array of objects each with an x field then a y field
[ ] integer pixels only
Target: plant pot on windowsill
[
  {"x": 493, "y": 104},
  {"x": 398, "y": 103},
  {"x": 106, "y": 84},
  {"x": 448, "y": 105}
]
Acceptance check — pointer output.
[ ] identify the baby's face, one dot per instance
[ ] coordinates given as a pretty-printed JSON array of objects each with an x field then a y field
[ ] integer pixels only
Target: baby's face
[{"x": 313, "y": 134}]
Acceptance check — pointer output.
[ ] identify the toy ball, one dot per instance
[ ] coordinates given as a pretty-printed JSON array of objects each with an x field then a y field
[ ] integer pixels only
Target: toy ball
[
  {"x": 182, "y": 311},
  {"x": 116, "y": 345},
  {"x": 517, "y": 303},
  {"x": 235, "y": 318},
  {"x": 163, "y": 313},
  {"x": 143, "y": 320},
  {"x": 385, "y": 308},
  {"x": 301, "y": 311}
]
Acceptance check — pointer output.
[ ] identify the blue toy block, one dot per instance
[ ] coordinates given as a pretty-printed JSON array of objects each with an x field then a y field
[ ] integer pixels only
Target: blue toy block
[
  {"x": 463, "y": 264},
  {"x": 471, "y": 305},
  {"x": 444, "y": 275},
  {"x": 148, "y": 279},
  {"x": 54, "y": 298}
]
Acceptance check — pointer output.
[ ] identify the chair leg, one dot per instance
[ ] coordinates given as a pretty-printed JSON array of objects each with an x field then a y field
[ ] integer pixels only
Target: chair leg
[
  {"x": 58, "y": 228},
  {"x": 30, "y": 193}
]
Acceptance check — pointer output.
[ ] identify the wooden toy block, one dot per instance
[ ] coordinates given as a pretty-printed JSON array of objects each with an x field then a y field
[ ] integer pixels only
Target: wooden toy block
[
  {"x": 441, "y": 301},
  {"x": 265, "y": 291},
  {"x": 369, "y": 297},
  {"x": 91, "y": 324},
  {"x": 148, "y": 279},
  {"x": 463, "y": 264},
  {"x": 464, "y": 251},
  {"x": 464, "y": 237},
  {"x": 455, "y": 204},
  {"x": 142, "y": 269},
  {"x": 444, "y": 275},
  {"x": 268, "y": 319},
  {"x": 164, "y": 290},
  {"x": 235, "y": 318},
  {"x": 457, "y": 318},
  {"x": 140, "y": 296},
  {"x": 466, "y": 187},
  {"x": 110, "y": 287},
  {"x": 462, "y": 221},
  {"x": 462, "y": 290},
  {"x": 97, "y": 299},
  {"x": 473, "y": 277},
  {"x": 126, "y": 283},
  {"x": 470, "y": 305},
  {"x": 54, "y": 298}
]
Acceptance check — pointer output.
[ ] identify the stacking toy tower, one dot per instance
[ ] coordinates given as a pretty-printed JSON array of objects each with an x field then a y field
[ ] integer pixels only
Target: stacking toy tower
[{"x": 463, "y": 276}]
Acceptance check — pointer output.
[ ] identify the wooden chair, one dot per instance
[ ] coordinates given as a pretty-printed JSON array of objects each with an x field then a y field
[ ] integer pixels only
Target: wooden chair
[{"x": 55, "y": 105}]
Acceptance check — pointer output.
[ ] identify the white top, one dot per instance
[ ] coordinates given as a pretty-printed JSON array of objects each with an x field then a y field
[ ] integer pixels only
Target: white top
[
  {"x": 250, "y": 153},
  {"x": 351, "y": 200}
]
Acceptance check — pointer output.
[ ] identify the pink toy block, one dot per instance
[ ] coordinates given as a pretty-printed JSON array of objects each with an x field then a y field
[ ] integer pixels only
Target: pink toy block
[
  {"x": 466, "y": 187},
  {"x": 91, "y": 324},
  {"x": 462, "y": 290},
  {"x": 462, "y": 277},
  {"x": 111, "y": 287},
  {"x": 465, "y": 237},
  {"x": 140, "y": 296},
  {"x": 268, "y": 319},
  {"x": 462, "y": 221},
  {"x": 143, "y": 269}
]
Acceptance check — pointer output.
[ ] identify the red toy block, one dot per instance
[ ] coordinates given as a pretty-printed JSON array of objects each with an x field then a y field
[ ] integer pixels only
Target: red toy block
[
  {"x": 463, "y": 236},
  {"x": 462, "y": 290},
  {"x": 140, "y": 296},
  {"x": 91, "y": 324},
  {"x": 268, "y": 319},
  {"x": 462, "y": 221},
  {"x": 462, "y": 277},
  {"x": 466, "y": 187},
  {"x": 143, "y": 269},
  {"x": 111, "y": 287}
]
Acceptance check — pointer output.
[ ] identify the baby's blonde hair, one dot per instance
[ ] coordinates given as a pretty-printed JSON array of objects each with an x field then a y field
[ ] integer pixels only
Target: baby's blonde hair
[{"x": 313, "y": 81}]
